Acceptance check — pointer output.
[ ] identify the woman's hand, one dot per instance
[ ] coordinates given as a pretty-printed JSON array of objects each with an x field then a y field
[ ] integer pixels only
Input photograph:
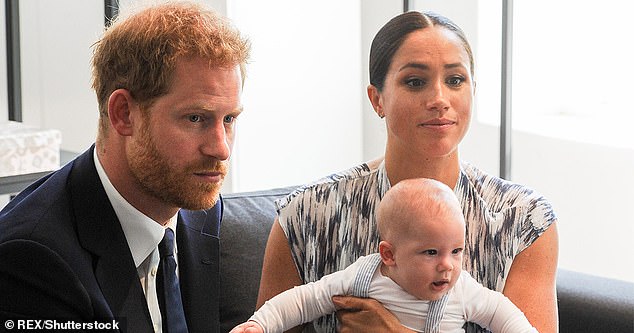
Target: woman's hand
[
  {"x": 248, "y": 327},
  {"x": 365, "y": 315}
]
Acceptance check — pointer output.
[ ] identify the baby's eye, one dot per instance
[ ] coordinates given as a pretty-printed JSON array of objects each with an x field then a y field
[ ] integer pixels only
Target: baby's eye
[
  {"x": 457, "y": 251},
  {"x": 430, "y": 252}
]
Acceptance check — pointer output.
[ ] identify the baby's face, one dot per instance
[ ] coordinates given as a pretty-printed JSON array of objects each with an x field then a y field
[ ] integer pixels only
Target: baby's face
[{"x": 428, "y": 259}]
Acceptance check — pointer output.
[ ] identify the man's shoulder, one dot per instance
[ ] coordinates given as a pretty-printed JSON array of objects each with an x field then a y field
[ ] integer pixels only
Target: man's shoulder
[
  {"x": 37, "y": 281},
  {"x": 43, "y": 199}
]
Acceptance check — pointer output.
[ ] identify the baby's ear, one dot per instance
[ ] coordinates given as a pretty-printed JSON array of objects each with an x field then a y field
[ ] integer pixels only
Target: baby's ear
[{"x": 387, "y": 253}]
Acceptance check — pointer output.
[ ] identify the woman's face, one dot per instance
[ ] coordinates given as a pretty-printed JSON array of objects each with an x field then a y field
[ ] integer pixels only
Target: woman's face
[{"x": 427, "y": 94}]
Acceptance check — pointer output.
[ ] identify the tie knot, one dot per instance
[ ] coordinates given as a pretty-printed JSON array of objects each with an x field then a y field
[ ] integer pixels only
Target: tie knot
[{"x": 166, "y": 246}]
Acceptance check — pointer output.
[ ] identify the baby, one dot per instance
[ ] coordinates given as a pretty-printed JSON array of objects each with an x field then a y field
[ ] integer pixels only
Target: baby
[{"x": 419, "y": 263}]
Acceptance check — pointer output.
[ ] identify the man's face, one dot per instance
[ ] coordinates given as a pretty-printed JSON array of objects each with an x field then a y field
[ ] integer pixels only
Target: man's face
[{"x": 183, "y": 143}]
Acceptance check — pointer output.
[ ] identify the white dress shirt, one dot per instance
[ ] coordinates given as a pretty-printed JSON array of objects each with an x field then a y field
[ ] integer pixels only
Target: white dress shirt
[{"x": 143, "y": 236}]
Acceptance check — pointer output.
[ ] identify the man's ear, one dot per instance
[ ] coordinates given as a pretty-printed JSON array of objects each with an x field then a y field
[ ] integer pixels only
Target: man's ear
[
  {"x": 375, "y": 100},
  {"x": 120, "y": 107},
  {"x": 387, "y": 253}
]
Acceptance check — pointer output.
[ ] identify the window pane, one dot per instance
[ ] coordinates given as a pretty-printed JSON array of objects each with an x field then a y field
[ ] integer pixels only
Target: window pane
[{"x": 573, "y": 137}]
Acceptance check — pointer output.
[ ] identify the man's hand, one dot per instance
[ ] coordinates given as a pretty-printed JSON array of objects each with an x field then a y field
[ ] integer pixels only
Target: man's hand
[{"x": 365, "y": 315}]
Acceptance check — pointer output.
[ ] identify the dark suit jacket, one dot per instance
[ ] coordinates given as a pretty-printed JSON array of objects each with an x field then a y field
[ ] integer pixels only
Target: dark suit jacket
[{"x": 63, "y": 254}]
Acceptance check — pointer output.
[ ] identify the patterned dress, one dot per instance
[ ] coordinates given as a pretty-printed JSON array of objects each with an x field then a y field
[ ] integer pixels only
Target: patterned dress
[{"x": 331, "y": 223}]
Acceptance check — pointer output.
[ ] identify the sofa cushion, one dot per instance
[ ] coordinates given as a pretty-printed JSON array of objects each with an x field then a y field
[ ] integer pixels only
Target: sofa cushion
[
  {"x": 246, "y": 222},
  {"x": 590, "y": 303}
]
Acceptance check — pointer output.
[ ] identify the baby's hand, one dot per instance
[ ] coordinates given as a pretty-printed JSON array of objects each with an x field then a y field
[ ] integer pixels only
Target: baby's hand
[{"x": 248, "y": 327}]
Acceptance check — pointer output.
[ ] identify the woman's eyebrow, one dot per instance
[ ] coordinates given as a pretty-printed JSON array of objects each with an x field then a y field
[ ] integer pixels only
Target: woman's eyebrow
[
  {"x": 417, "y": 65},
  {"x": 423, "y": 66}
]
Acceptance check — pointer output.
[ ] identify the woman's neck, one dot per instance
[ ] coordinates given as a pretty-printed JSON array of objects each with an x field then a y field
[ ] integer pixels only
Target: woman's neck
[{"x": 445, "y": 169}]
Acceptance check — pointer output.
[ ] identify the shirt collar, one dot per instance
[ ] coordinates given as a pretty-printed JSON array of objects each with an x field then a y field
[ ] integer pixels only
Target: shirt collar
[{"x": 141, "y": 232}]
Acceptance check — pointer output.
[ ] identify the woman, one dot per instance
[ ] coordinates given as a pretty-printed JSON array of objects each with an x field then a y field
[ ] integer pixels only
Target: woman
[{"x": 421, "y": 82}]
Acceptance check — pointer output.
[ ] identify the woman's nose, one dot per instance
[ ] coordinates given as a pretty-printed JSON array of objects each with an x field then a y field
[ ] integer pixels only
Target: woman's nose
[{"x": 437, "y": 97}]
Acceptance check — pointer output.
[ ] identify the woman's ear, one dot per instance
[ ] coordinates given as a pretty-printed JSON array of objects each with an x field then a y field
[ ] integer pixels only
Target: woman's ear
[
  {"x": 375, "y": 98},
  {"x": 120, "y": 108},
  {"x": 387, "y": 253}
]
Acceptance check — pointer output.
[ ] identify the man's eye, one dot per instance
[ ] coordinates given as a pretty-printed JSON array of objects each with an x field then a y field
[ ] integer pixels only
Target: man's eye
[
  {"x": 194, "y": 118},
  {"x": 229, "y": 119}
]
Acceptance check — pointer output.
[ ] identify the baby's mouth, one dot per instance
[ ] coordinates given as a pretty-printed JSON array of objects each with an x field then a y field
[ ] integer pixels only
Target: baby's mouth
[{"x": 440, "y": 283}]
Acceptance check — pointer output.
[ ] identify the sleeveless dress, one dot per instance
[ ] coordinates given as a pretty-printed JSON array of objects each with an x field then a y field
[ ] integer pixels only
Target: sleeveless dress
[{"x": 329, "y": 224}]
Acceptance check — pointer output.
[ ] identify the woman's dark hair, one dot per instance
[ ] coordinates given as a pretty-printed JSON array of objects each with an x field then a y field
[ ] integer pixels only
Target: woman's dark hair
[{"x": 390, "y": 37}]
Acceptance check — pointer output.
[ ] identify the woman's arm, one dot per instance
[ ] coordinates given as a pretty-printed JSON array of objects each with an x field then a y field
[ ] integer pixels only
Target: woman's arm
[
  {"x": 278, "y": 269},
  {"x": 531, "y": 282}
]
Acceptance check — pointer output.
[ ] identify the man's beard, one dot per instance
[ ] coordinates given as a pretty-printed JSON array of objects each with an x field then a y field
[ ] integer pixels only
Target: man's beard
[{"x": 164, "y": 181}]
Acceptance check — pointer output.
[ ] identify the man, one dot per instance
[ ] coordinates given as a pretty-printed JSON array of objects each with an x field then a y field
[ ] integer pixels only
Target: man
[{"x": 83, "y": 243}]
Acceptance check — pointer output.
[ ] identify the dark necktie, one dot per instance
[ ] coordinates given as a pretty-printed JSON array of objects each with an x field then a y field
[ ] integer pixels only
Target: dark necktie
[{"x": 168, "y": 289}]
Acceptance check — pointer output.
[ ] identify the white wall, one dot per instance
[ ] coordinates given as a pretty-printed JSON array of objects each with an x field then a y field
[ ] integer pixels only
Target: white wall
[
  {"x": 374, "y": 14},
  {"x": 591, "y": 188},
  {"x": 302, "y": 99},
  {"x": 4, "y": 99},
  {"x": 55, "y": 49}
]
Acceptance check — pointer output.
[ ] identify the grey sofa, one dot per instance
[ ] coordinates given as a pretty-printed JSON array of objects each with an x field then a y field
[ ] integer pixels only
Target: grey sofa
[{"x": 586, "y": 303}]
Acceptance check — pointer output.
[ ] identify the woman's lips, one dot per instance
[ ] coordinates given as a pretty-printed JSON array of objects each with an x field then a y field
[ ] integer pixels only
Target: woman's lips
[{"x": 438, "y": 123}]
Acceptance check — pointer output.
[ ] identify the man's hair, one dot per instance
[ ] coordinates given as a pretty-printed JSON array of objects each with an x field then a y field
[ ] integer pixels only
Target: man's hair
[{"x": 138, "y": 52}]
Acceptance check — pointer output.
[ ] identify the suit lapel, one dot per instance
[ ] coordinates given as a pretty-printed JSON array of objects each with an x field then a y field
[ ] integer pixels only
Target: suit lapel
[
  {"x": 198, "y": 257},
  {"x": 100, "y": 232}
]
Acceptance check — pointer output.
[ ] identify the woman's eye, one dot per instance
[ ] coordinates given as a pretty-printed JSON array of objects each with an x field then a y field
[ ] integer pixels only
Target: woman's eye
[
  {"x": 455, "y": 81},
  {"x": 414, "y": 83}
]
